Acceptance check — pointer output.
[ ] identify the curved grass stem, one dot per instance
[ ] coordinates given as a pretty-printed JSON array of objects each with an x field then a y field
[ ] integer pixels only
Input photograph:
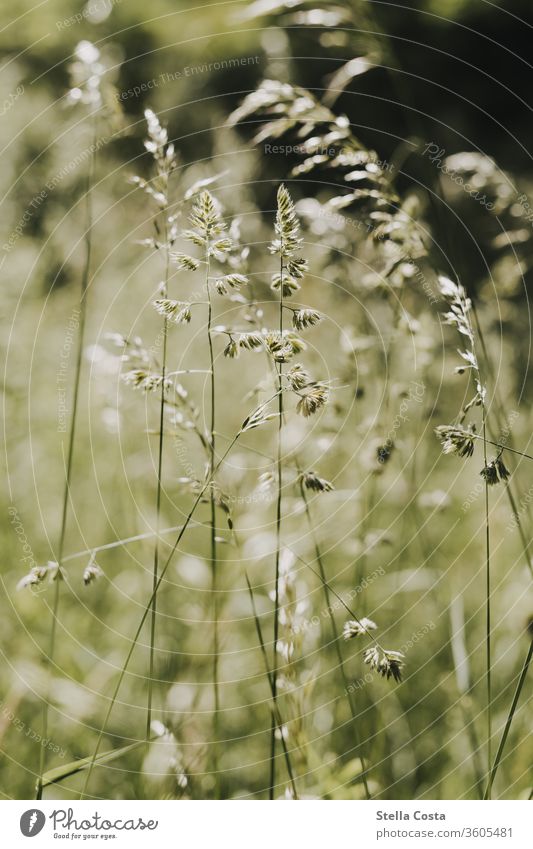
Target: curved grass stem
[
  {"x": 213, "y": 529},
  {"x": 278, "y": 544}
]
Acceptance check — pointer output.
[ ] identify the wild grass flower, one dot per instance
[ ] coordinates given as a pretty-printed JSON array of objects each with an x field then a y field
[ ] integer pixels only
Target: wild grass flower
[
  {"x": 389, "y": 664},
  {"x": 457, "y": 439},
  {"x": 315, "y": 483},
  {"x": 92, "y": 572},
  {"x": 39, "y": 574},
  {"x": 494, "y": 472},
  {"x": 282, "y": 346},
  {"x": 313, "y": 400},
  {"x": 326, "y": 141},
  {"x": 461, "y": 441},
  {"x": 208, "y": 233},
  {"x": 157, "y": 189},
  {"x": 357, "y": 628}
]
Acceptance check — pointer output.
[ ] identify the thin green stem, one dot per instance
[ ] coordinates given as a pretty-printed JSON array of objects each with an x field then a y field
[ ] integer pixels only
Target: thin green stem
[
  {"x": 503, "y": 447},
  {"x": 159, "y": 486},
  {"x": 213, "y": 528},
  {"x": 335, "y": 633},
  {"x": 278, "y": 541},
  {"x": 346, "y": 607},
  {"x": 275, "y": 707},
  {"x": 49, "y": 659},
  {"x": 488, "y": 647},
  {"x": 147, "y": 609},
  {"x": 509, "y": 721}
]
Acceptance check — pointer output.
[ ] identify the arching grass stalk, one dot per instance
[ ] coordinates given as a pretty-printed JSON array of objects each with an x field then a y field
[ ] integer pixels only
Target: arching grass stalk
[
  {"x": 256, "y": 419},
  {"x": 86, "y": 65},
  {"x": 459, "y": 440},
  {"x": 509, "y": 721}
]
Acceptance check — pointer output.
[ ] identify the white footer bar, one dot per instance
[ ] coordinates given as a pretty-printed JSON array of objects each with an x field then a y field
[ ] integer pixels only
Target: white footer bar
[{"x": 258, "y": 825}]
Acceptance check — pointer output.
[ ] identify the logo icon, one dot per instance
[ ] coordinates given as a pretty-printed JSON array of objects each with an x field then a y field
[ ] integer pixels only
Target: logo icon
[{"x": 32, "y": 822}]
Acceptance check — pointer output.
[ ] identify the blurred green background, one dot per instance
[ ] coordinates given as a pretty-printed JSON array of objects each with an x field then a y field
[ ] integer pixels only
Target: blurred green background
[{"x": 455, "y": 74}]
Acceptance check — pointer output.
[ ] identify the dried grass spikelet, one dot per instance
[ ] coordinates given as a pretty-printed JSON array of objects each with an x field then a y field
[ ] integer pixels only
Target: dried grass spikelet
[
  {"x": 282, "y": 346},
  {"x": 146, "y": 381},
  {"x": 313, "y": 400},
  {"x": 251, "y": 341},
  {"x": 39, "y": 574},
  {"x": 315, "y": 483},
  {"x": 358, "y": 628},
  {"x": 302, "y": 319},
  {"x": 457, "y": 439},
  {"x": 388, "y": 663},
  {"x": 92, "y": 571},
  {"x": 495, "y": 471},
  {"x": 298, "y": 377},
  {"x": 178, "y": 312},
  {"x": 287, "y": 229},
  {"x": 326, "y": 140},
  {"x": 184, "y": 261}
]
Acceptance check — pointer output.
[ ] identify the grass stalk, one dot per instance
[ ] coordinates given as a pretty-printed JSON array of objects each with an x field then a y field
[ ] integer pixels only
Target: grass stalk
[
  {"x": 509, "y": 721},
  {"x": 336, "y": 640},
  {"x": 213, "y": 529},
  {"x": 147, "y": 608},
  {"x": 275, "y": 707},
  {"x": 278, "y": 541},
  {"x": 161, "y": 438},
  {"x": 49, "y": 658},
  {"x": 488, "y": 647}
]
